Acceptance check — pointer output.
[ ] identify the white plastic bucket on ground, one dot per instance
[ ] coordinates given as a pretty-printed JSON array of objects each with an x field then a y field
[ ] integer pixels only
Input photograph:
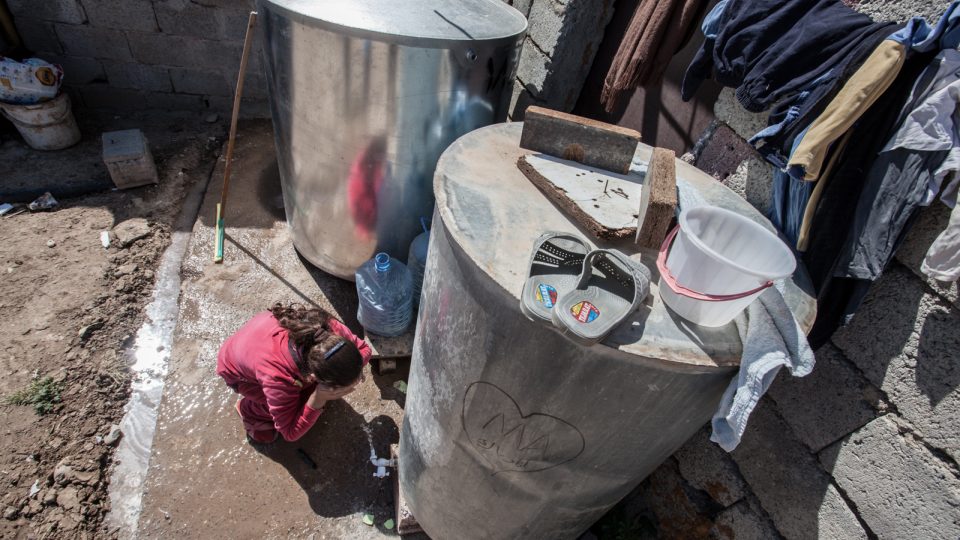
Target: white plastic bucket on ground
[
  {"x": 49, "y": 125},
  {"x": 719, "y": 263}
]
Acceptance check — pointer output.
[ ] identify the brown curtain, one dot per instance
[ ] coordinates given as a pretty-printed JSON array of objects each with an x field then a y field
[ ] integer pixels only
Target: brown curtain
[{"x": 658, "y": 29}]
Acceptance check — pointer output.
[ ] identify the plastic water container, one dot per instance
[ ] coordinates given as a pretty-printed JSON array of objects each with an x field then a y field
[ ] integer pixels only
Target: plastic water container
[
  {"x": 417, "y": 263},
  {"x": 385, "y": 288},
  {"x": 720, "y": 262}
]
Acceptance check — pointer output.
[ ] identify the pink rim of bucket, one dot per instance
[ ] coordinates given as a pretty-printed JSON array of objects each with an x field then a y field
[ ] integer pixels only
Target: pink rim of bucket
[{"x": 671, "y": 281}]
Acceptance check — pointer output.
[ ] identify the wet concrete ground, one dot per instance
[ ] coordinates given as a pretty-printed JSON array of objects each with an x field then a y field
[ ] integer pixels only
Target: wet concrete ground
[{"x": 204, "y": 480}]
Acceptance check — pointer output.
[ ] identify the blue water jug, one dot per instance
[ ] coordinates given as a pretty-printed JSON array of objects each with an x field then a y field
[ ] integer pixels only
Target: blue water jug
[
  {"x": 385, "y": 288},
  {"x": 417, "y": 262}
]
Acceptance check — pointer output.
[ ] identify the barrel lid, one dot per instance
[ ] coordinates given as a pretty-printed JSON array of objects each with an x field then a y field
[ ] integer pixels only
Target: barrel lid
[
  {"x": 403, "y": 20},
  {"x": 494, "y": 214}
]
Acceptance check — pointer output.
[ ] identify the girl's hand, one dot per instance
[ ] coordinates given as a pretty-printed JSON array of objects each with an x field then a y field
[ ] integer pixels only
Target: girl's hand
[{"x": 323, "y": 394}]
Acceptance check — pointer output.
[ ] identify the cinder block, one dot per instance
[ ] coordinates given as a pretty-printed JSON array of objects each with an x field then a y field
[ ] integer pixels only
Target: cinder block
[
  {"x": 745, "y": 123},
  {"x": 789, "y": 483},
  {"x": 79, "y": 70},
  {"x": 254, "y": 85},
  {"x": 185, "y": 18},
  {"x": 900, "y": 489},
  {"x": 65, "y": 11},
  {"x": 707, "y": 467},
  {"x": 844, "y": 400},
  {"x": 905, "y": 340},
  {"x": 184, "y": 51},
  {"x": 523, "y": 6},
  {"x": 900, "y": 11},
  {"x": 927, "y": 227},
  {"x": 125, "y": 15},
  {"x": 753, "y": 180},
  {"x": 102, "y": 96},
  {"x": 138, "y": 76},
  {"x": 743, "y": 521},
  {"x": 567, "y": 35},
  {"x": 128, "y": 158},
  {"x": 94, "y": 42},
  {"x": 533, "y": 68},
  {"x": 233, "y": 24},
  {"x": 192, "y": 81},
  {"x": 39, "y": 36},
  {"x": 720, "y": 151},
  {"x": 522, "y": 100}
]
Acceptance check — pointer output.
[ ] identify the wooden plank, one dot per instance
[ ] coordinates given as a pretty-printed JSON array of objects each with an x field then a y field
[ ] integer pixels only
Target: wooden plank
[
  {"x": 661, "y": 209},
  {"x": 602, "y": 202},
  {"x": 571, "y": 137}
]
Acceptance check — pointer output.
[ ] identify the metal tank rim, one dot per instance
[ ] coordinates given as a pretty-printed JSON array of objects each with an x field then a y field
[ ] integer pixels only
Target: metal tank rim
[
  {"x": 393, "y": 38},
  {"x": 798, "y": 292}
]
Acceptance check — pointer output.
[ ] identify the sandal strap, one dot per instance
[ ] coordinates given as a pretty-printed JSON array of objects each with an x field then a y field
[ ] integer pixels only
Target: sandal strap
[{"x": 550, "y": 253}]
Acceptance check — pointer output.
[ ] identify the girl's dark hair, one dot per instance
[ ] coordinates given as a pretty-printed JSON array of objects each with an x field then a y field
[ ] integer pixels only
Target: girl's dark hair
[{"x": 313, "y": 340}]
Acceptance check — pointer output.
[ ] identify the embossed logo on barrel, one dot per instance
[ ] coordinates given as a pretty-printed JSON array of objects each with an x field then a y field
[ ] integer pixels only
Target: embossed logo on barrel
[{"x": 510, "y": 440}]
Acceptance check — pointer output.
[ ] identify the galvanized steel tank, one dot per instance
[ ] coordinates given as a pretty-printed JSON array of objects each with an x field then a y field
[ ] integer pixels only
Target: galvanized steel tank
[
  {"x": 510, "y": 429},
  {"x": 365, "y": 95}
]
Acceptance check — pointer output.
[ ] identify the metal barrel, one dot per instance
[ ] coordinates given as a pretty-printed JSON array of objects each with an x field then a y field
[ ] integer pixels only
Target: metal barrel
[
  {"x": 510, "y": 429},
  {"x": 365, "y": 95}
]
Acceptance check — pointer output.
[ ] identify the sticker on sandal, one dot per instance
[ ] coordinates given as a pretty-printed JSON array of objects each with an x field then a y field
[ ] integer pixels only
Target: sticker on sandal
[
  {"x": 585, "y": 312},
  {"x": 546, "y": 295}
]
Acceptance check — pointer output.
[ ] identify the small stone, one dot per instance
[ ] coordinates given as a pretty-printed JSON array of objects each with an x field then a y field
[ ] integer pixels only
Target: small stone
[
  {"x": 113, "y": 435},
  {"x": 211, "y": 118},
  {"x": 126, "y": 270},
  {"x": 89, "y": 329},
  {"x": 10, "y": 513},
  {"x": 148, "y": 274},
  {"x": 69, "y": 498},
  {"x": 122, "y": 284},
  {"x": 131, "y": 230},
  {"x": 51, "y": 243},
  {"x": 50, "y": 497}
]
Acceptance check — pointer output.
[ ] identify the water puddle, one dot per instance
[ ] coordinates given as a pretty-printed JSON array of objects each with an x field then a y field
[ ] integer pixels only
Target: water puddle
[{"x": 151, "y": 354}]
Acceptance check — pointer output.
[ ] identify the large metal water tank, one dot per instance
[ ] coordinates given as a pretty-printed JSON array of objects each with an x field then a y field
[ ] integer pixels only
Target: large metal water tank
[
  {"x": 365, "y": 95},
  {"x": 510, "y": 429}
]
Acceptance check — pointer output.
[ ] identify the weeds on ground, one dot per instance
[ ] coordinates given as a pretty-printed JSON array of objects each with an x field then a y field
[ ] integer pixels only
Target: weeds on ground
[{"x": 43, "y": 394}]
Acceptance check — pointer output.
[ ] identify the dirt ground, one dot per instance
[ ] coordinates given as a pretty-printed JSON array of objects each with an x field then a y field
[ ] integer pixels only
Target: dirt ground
[{"x": 70, "y": 308}]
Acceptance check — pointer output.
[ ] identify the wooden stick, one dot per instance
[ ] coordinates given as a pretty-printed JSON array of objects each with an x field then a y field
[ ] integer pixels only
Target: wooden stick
[{"x": 222, "y": 206}]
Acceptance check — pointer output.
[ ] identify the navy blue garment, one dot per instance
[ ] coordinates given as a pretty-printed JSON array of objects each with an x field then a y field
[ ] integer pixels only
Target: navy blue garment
[{"x": 773, "y": 49}]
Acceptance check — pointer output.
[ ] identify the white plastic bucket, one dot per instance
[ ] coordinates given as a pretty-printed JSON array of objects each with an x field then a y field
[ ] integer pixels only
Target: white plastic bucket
[
  {"x": 719, "y": 263},
  {"x": 49, "y": 125}
]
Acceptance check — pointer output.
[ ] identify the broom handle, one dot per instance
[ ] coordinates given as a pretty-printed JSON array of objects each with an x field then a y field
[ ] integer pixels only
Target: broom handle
[{"x": 236, "y": 110}]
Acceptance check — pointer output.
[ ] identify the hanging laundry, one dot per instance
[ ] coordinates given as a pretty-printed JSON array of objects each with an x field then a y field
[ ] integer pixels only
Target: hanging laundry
[
  {"x": 943, "y": 258},
  {"x": 866, "y": 85},
  {"x": 774, "y": 49},
  {"x": 832, "y": 218},
  {"x": 658, "y": 29},
  {"x": 909, "y": 172}
]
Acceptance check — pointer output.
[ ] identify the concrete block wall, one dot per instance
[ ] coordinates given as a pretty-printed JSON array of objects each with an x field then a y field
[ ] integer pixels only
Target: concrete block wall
[
  {"x": 562, "y": 39},
  {"x": 184, "y": 54},
  {"x": 868, "y": 445},
  {"x": 146, "y": 54}
]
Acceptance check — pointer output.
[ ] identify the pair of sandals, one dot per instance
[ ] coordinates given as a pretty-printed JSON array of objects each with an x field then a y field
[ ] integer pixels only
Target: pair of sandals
[{"x": 584, "y": 293}]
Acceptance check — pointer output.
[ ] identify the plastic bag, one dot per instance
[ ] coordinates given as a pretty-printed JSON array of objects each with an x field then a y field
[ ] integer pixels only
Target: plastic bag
[{"x": 28, "y": 82}]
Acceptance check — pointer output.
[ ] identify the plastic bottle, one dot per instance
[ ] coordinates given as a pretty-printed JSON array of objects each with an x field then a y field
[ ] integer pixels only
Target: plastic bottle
[
  {"x": 385, "y": 288},
  {"x": 417, "y": 261}
]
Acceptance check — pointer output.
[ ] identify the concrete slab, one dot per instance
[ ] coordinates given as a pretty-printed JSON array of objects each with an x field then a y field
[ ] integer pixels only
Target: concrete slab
[{"x": 204, "y": 480}]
